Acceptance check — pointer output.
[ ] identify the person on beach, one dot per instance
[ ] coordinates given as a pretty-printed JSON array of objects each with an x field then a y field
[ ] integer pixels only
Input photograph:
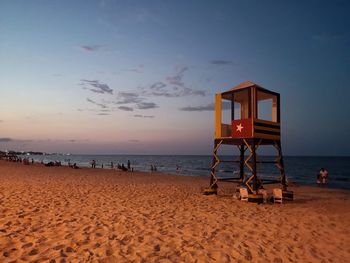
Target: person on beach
[
  {"x": 178, "y": 170},
  {"x": 322, "y": 176},
  {"x": 128, "y": 164},
  {"x": 93, "y": 164},
  {"x": 112, "y": 165}
]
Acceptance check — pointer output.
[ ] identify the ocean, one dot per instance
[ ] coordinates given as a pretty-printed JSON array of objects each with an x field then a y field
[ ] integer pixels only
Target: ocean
[{"x": 299, "y": 169}]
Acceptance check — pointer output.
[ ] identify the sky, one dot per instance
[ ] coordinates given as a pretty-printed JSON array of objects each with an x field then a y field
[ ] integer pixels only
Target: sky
[{"x": 139, "y": 77}]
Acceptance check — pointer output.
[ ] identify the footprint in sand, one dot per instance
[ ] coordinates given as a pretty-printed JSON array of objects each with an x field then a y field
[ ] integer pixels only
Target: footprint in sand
[
  {"x": 33, "y": 252},
  {"x": 27, "y": 245},
  {"x": 157, "y": 248},
  {"x": 58, "y": 247},
  {"x": 248, "y": 255}
]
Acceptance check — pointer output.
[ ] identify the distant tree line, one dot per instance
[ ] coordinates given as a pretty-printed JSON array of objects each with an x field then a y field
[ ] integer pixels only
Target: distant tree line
[{"x": 21, "y": 153}]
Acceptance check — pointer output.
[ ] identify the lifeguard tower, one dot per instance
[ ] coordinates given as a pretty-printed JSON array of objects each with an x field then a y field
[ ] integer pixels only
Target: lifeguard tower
[{"x": 248, "y": 131}]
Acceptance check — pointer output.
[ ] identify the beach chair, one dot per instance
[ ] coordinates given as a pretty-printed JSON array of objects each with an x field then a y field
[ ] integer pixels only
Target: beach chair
[
  {"x": 243, "y": 192},
  {"x": 277, "y": 195}
]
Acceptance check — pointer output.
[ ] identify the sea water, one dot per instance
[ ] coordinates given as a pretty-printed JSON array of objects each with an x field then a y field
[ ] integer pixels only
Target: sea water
[{"x": 299, "y": 169}]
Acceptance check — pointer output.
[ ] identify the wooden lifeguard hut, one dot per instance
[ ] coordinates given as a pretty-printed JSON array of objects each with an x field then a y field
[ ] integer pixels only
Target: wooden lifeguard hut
[{"x": 248, "y": 130}]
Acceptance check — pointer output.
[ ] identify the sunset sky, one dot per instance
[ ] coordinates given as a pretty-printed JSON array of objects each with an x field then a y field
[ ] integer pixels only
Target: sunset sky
[{"x": 139, "y": 77}]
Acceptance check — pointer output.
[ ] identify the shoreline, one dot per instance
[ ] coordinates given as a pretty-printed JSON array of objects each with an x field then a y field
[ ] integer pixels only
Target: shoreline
[
  {"x": 294, "y": 184},
  {"x": 302, "y": 171},
  {"x": 103, "y": 215}
]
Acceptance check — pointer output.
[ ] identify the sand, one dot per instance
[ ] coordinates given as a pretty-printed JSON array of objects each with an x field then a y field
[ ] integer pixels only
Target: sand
[{"x": 59, "y": 214}]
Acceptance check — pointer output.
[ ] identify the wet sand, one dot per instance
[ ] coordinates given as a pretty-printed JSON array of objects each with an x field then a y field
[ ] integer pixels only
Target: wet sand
[{"x": 59, "y": 214}]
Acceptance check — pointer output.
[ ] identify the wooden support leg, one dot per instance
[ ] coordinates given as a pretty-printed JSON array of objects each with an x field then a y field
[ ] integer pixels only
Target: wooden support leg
[
  {"x": 247, "y": 163},
  {"x": 215, "y": 162},
  {"x": 212, "y": 173},
  {"x": 241, "y": 162},
  {"x": 280, "y": 164},
  {"x": 254, "y": 167}
]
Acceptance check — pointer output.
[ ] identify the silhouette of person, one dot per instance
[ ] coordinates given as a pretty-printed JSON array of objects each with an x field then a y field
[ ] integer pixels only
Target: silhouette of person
[{"x": 323, "y": 176}]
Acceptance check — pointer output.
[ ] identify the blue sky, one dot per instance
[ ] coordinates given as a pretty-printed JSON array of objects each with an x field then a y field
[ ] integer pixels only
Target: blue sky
[{"x": 120, "y": 76}]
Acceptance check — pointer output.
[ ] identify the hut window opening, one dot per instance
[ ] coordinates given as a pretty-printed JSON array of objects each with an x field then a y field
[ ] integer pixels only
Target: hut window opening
[
  {"x": 241, "y": 105},
  {"x": 266, "y": 106}
]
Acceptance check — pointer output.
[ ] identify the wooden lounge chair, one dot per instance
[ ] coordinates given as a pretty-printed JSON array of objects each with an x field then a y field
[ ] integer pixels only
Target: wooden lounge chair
[
  {"x": 243, "y": 192},
  {"x": 277, "y": 195}
]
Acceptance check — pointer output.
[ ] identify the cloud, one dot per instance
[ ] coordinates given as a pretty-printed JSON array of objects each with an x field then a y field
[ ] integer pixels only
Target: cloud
[
  {"x": 174, "y": 86},
  {"x": 160, "y": 89},
  {"x": 128, "y": 97},
  {"x": 134, "y": 140},
  {"x": 134, "y": 98},
  {"x": 95, "y": 110},
  {"x": 221, "y": 62},
  {"x": 146, "y": 105},
  {"x": 208, "y": 107},
  {"x": 87, "y": 48},
  {"x": 157, "y": 86},
  {"x": 143, "y": 116},
  {"x": 188, "y": 91},
  {"x": 1, "y": 121},
  {"x": 6, "y": 140},
  {"x": 177, "y": 79},
  {"x": 96, "y": 86},
  {"x": 125, "y": 108},
  {"x": 103, "y": 114},
  {"x": 103, "y": 106}
]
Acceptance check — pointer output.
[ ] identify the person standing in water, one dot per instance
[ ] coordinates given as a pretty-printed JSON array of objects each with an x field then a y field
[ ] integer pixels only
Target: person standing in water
[
  {"x": 93, "y": 164},
  {"x": 323, "y": 176}
]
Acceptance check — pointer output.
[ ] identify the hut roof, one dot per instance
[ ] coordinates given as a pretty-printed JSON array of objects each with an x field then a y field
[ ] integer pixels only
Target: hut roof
[{"x": 243, "y": 85}]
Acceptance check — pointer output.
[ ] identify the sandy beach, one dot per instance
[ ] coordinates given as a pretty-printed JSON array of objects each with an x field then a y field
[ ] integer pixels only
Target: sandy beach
[{"x": 59, "y": 214}]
